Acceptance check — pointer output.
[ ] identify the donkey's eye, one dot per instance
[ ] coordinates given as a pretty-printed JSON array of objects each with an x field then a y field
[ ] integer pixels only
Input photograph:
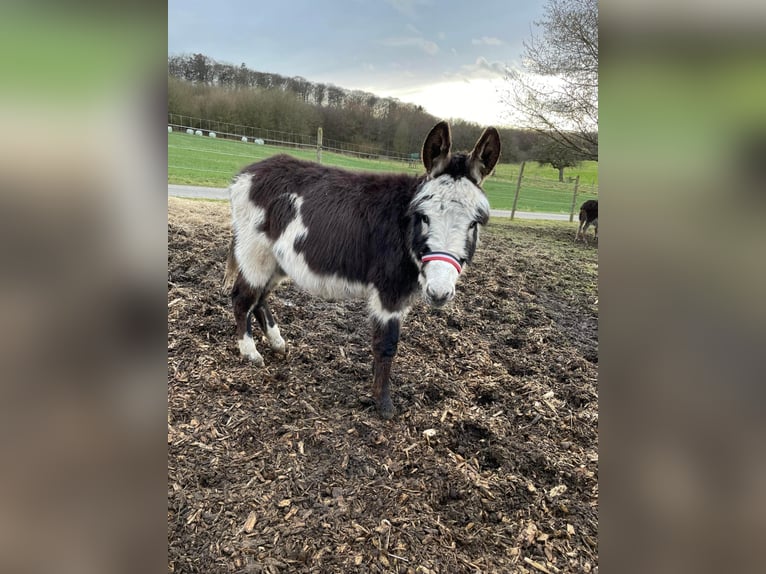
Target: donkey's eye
[{"x": 424, "y": 219}]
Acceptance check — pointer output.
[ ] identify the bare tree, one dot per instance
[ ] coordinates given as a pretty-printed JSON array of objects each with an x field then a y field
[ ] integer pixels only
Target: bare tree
[
  {"x": 556, "y": 90},
  {"x": 550, "y": 152}
]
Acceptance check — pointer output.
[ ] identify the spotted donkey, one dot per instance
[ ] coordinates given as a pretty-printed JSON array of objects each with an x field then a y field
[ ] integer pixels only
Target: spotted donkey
[{"x": 341, "y": 234}]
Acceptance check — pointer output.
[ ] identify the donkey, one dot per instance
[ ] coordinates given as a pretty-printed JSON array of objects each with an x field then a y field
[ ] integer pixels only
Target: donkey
[
  {"x": 588, "y": 217},
  {"x": 340, "y": 234}
]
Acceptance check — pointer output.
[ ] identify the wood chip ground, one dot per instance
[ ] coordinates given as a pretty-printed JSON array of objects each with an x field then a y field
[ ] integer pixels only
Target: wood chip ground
[{"x": 490, "y": 465}]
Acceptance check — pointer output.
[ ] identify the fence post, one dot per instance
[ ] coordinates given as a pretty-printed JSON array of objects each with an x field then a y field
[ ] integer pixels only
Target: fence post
[
  {"x": 574, "y": 199},
  {"x": 319, "y": 145},
  {"x": 518, "y": 188}
]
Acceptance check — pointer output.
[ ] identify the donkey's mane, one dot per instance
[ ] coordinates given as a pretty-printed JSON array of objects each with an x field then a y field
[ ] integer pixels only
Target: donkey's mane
[{"x": 458, "y": 167}]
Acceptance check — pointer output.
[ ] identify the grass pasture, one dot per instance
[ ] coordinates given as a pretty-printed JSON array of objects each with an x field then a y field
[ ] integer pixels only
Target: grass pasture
[{"x": 211, "y": 162}]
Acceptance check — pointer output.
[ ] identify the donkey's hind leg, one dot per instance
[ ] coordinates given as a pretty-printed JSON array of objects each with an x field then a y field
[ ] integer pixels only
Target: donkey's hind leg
[
  {"x": 264, "y": 316},
  {"x": 258, "y": 274},
  {"x": 579, "y": 230},
  {"x": 243, "y": 298},
  {"x": 269, "y": 326}
]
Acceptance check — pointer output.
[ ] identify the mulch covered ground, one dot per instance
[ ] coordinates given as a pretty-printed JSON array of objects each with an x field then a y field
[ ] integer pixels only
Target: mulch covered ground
[{"x": 490, "y": 465}]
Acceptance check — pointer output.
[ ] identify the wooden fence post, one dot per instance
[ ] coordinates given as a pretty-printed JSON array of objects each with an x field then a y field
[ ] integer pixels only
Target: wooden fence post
[
  {"x": 518, "y": 188},
  {"x": 319, "y": 145},
  {"x": 574, "y": 199}
]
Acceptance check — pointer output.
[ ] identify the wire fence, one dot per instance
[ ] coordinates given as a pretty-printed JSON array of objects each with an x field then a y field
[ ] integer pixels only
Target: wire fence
[
  {"x": 283, "y": 139},
  {"x": 211, "y": 162}
]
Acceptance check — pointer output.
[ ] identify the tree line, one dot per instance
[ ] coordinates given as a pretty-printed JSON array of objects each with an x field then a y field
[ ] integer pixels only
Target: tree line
[{"x": 199, "y": 86}]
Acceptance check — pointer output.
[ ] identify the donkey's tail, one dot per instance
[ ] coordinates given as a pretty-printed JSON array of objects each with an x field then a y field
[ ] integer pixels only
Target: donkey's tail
[{"x": 232, "y": 269}]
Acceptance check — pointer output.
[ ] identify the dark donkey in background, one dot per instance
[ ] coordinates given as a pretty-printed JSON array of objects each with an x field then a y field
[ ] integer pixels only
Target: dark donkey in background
[
  {"x": 588, "y": 217},
  {"x": 340, "y": 234}
]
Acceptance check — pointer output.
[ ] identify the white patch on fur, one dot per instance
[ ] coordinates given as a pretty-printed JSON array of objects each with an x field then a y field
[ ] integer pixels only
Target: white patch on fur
[
  {"x": 294, "y": 264},
  {"x": 441, "y": 278},
  {"x": 451, "y": 206},
  {"x": 257, "y": 256},
  {"x": 380, "y": 314},
  {"x": 252, "y": 247},
  {"x": 247, "y": 349},
  {"x": 276, "y": 342}
]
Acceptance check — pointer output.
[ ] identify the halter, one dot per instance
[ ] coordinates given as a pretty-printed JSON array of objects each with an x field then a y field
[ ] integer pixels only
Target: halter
[{"x": 442, "y": 256}]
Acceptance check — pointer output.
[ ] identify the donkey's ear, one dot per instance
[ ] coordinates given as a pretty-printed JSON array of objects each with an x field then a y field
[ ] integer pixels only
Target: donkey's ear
[
  {"x": 436, "y": 149},
  {"x": 485, "y": 154}
]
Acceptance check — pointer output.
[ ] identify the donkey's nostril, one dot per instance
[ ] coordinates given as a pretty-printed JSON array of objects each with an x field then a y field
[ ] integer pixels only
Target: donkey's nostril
[{"x": 437, "y": 299}]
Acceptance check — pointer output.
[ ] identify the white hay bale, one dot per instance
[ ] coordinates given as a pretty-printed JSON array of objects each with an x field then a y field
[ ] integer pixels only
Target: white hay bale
[
  {"x": 190, "y": 131},
  {"x": 244, "y": 139},
  {"x": 170, "y": 129},
  {"x": 211, "y": 134},
  {"x": 198, "y": 133},
  {"x": 259, "y": 141}
]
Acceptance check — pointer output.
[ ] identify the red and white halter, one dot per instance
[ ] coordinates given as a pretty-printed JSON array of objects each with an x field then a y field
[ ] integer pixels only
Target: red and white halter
[{"x": 443, "y": 256}]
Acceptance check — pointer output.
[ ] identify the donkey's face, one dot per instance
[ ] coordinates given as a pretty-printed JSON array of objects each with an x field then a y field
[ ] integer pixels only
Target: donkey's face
[{"x": 448, "y": 209}]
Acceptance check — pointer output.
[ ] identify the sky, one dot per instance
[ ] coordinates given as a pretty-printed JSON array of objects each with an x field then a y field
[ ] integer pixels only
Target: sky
[{"x": 445, "y": 55}]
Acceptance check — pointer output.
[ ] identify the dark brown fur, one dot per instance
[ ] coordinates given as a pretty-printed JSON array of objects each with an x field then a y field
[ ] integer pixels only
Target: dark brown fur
[
  {"x": 359, "y": 223},
  {"x": 588, "y": 217}
]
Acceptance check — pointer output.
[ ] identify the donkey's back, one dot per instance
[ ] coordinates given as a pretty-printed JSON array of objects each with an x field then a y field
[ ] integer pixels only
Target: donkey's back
[
  {"x": 321, "y": 225},
  {"x": 284, "y": 174}
]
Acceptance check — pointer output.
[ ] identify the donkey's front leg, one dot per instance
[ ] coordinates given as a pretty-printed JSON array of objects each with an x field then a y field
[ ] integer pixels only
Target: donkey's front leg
[{"x": 385, "y": 339}]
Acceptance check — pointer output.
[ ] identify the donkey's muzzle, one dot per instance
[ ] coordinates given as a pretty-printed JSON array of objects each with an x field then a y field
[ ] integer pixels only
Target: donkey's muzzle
[{"x": 439, "y": 299}]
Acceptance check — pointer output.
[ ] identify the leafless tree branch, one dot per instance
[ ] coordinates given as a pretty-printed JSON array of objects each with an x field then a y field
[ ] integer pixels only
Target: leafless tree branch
[{"x": 556, "y": 90}]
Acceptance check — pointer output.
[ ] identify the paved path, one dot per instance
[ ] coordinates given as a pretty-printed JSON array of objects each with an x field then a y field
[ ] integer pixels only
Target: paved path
[{"x": 223, "y": 193}]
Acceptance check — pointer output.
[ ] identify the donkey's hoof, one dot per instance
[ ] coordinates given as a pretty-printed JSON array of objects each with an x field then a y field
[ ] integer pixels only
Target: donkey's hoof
[
  {"x": 386, "y": 409},
  {"x": 279, "y": 346},
  {"x": 256, "y": 358},
  {"x": 247, "y": 349}
]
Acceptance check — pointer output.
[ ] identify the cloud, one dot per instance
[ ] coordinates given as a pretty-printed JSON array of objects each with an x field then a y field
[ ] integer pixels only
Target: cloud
[
  {"x": 496, "y": 68},
  {"x": 487, "y": 41},
  {"x": 427, "y": 46},
  {"x": 430, "y": 47},
  {"x": 449, "y": 100},
  {"x": 414, "y": 30},
  {"x": 481, "y": 69},
  {"x": 407, "y": 7}
]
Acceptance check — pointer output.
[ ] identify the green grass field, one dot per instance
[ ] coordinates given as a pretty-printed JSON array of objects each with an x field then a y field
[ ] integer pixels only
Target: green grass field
[{"x": 200, "y": 160}]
